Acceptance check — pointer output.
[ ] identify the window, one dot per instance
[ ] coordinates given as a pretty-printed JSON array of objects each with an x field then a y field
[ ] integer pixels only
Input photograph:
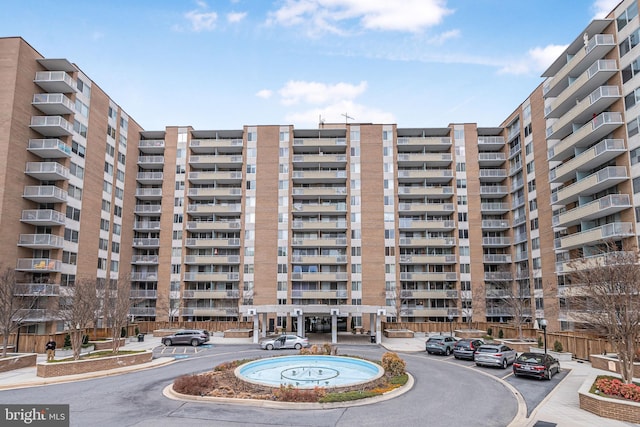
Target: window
[
  {"x": 108, "y": 168},
  {"x": 104, "y": 224},
  {"x": 629, "y": 43},
  {"x": 117, "y": 229},
  {"x": 535, "y": 243},
  {"x": 75, "y": 170},
  {"x": 636, "y": 185},
  {"x": 356, "y": 268},
  {"x": 75, "y": 192},
  {"x": 534, "y": 224},
  {"x": 122, "y": 158},
  {"x": 77, "y": 149},
  {"x": 282, "y": 268},
  {"x": 356, "y": 285},
  {"x": 103, "y": 244},
  {"x": 462, "y": 200},
  {"x": 175, "y": 268},
  {"x": 120, "y": 175},
  {"x": 117, "y": 211},
  {"x": 463, "y": 234},
  {"x": 465, "y": 268},
  {"x": 70, "y": 235},
  {"x": 119, "y": 193},
  {"x": 461, "y": 167},
  {"x": 465, "y": 285},
  {"x": 107, "y": 187},
  {"x": 531, "y": 167},
  {"x": 102, "y": 264},
  {"x": 390, "y": 251},
  {"x": 177, "y": 218},
  {"x": 69, "y": 257},
  {"x": 356, "y": 251},
  {"x": 111, "y": 131},
  {"x": 177, "y": 234},
  {"x": 462, "y": 217},
  {"x": 80, "y": 128},
  {"x": 114, "y": 266},
  {"x": 464, "y": 250},
  {"x": 531, "y": 185},
  {"x": 73, "y": 213},
  {"x": 533, "y": 205},
  {"x": 461, "y": 183}
]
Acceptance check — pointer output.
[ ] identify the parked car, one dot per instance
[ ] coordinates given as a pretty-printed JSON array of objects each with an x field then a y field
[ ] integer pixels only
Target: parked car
[
  {"x": 537, "y": 365},
  {"x": 194, "y": 337},
  {"x": 495, "y": 355},
  {"x": 285, "y": 341},
  {"x": 466, "y": 348},
  {"x": 440, "y": 344}
]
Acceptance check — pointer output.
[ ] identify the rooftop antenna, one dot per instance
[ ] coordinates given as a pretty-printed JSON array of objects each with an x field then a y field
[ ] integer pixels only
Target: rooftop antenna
[
  {"x": 347, "y": 117},
  {"x": 320, "y": 121}
]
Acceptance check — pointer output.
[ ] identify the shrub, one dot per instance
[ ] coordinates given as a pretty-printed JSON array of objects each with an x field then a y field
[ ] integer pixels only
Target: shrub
[
  {"x": 393, "y": 365},
  {"x": 194, "y": 385},
  {"x": 347, "y": 396},
  {"x": 500, "y": 334},
  {"x": 291, "y": 394},
  {"x": 137, "y": 331},
  {"x": 615, "y": 387},
  {"x": 123, "y": 332},
  {"x": 557, "y": 346},
  {"x": 85, "y": 339},
  {"x": 67, "y": 340},
  {"x": 540, "y": 342},
  {"x": 489, "y": 331}
]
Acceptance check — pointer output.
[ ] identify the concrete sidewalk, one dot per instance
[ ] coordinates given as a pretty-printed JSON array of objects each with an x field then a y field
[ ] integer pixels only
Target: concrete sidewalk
[{"x": 561, "y": 407}]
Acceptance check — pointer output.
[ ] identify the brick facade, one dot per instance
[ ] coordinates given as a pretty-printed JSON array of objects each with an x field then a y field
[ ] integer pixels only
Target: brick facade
[{"x": 58, "y": 369}]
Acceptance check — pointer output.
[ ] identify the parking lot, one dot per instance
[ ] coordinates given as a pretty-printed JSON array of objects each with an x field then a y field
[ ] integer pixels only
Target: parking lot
[
  {"x": 533, "y": 390},
  {"x": 180, "y": 351}
]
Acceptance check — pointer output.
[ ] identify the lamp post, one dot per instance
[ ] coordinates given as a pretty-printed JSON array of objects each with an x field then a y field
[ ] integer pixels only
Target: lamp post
[
  {"x": 450, "y": 316},
  {"x": 543, "y": 325}
]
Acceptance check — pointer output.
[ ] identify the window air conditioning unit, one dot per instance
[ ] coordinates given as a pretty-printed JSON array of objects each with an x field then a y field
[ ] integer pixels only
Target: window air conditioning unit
[
  {"x": 251, "y": 312},
  {"x": 382, "y": 312},
  {"x": 335, "y": 311}
]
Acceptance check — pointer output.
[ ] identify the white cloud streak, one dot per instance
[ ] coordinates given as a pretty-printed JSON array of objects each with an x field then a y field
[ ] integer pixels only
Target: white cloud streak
[
  {"x": 296, "y": 92},
  {"x": 536, "y": 61}
]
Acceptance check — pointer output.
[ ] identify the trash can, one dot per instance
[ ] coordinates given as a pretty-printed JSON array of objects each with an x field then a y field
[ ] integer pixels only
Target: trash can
[
  {"x": 373, "y": 339},
  {"x": 140, "y": 337}
]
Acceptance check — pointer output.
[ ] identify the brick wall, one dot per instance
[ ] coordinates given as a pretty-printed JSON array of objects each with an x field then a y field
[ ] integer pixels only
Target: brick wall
[
  {"x": 17, "y": 362},
  {"x": 607, "y": 363},
  {"x": 610, "y": 408},
  {"x": 56, "y": 369},
  {"x": 105, "y": 345}
]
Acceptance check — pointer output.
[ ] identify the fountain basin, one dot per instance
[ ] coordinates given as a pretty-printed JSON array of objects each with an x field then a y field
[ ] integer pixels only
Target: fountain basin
[{"x": 309, "y": 371}]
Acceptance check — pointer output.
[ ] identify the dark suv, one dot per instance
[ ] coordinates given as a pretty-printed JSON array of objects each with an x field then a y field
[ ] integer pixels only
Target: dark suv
[
  {"x": 194, "y": 337},
  {"x": 466, "y": 348}
]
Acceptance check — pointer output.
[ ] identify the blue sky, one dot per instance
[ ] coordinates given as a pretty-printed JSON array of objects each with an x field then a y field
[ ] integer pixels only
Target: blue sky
[{"x": 222, "y": 64}]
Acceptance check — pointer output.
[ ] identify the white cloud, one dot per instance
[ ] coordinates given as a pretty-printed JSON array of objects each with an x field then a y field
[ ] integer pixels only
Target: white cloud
[
  {"x": 264, "y": 93},
  {"x": 333, "y": 113},
  {"x": 601, "y": 8},
  {"x": 202, "y": 21},
  {"x": 234, "y": 17},
  {"x": 295, "y": 92},
  {"x": 537, "y": 61},
  {"x": 385, "y": 15}
]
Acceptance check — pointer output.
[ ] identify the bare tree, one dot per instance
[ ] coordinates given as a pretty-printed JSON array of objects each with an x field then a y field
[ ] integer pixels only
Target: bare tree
[
  {"x": 16, "y": 302},
  {"x": 116, "y": 307},
  {"x": 606, "y": 297},
  {"x": 511, "y": 298},
  {"x": 78, "y": 310}
]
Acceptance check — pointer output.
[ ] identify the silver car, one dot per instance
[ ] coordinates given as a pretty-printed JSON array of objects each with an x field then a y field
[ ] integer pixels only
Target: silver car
[
  {"x": 284, "y": 341},
  {"x": 194, "y": 337},
  {"x": 495, "y": 355}
]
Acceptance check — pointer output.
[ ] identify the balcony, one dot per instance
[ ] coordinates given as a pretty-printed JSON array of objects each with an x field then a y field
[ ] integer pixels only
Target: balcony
[
  {"x": 430, "y": 143},
  {"x": 427, "y": 259},
  {"x": 319, "y": 276},
  {"x": 196, "y": 209},
  {"x": 597, "y": 47},
  {"x": 210, "y": 294},
  {"x": 150, "y": 178},
  {"x": 146, "y": 243},
  {"x": 39, "y": 265},
  {"x": 211, "y": 259},
  {"x": 429, "y": 276},
  {"x": 144, "y": 259},
  {"x": 431, "y": 242},
  {"x": 149, "y": 193},
  {"x": 490, "y": 143},
  {"x": 51, "y": 126},
  {"x": 429, "y": 175},
  {"x": 317, "y": 191},
  {"x": 491, "y": 159},
  {"x": 431, "y": 225},
  {"x": 496, "y": 224},
  {"x": 428, "y": 208},
  {"x": 146, "y": 225},
  {"x": 37, "y": 290},
  {"x": 196, "y": 243},
  {"x": 209, "y": 312},
  {"x": 211, "y": 145},
  {"x": 151, "y": 162},
  {"x": 493, "y": 191},
  {"x": 49, "y": 148},
  {"x": 498, "y": 242},
  {"x": 213, "y": 225},
  {"x": 319, "y": 243},
  {"x": 319, "y": 259},
  {"x": 578, "y": 264},
  {"x": 492, "y": 175},
  {"x": 47, "y": 171},
  {"x": 55, "y": 81},
  {"x": 207, "y": 276},
  {"x": 314, "y": 208},
  {"x": 142, "y": 311},
  {"x": 495, "y": 207},
  {"x": 43, "y": 217},
  {"x": 597, "y": 101},
  {"x": 426, "y": 191},
  {"x": 428, "y": 294},
  {"x": 319, "y": 225},
  {"x": 496, "y": 258},
  {"x": 53, "y": 104},
  {"x": 148, "y": 210},
  {"x": 605, "y": 206},
  {"x": 151, "y": 146},
  {"x": 211, "y": 177},
  {"x": 319, "y": 294},
  {"x": 332, "y": 160},
  {"x": 498, "y": 276},
  {"x": 207, "y": 193},
  {"x": 144, "y": 276},
  {"x": 434, "y": 160},
  {"x": 41, "y": 241},
  {"x": 143, "y": 294},
  {"x": 226, "y": 161},
  {"x": 425, "y": 312},
  {"x": 45, "y": 194},
  {"x": 325, "y": 176},
  {"x": 592, "y": 184},
  {"x": 593, "y": 131},
  {"x": 599, "y": 154},
  {"x": 319, "y": 142},
  {"x": 615, "y": 230}
]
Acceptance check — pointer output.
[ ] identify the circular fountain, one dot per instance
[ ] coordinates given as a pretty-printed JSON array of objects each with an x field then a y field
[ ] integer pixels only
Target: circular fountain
[{"x": 308, "y": 371}]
